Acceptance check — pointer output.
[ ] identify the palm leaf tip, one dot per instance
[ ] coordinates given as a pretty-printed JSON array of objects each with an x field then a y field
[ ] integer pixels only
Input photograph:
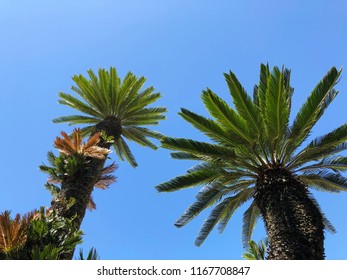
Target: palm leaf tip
[{"x": 75, "y": 145}]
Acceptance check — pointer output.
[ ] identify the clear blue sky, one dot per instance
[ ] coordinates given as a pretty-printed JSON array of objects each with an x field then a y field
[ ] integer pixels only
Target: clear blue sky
[{"x": 182, "y": 47}]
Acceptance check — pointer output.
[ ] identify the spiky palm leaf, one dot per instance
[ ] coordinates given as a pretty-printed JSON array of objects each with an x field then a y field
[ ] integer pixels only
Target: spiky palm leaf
[
  {"x": 252, "y": 138},
  {"x": 118, "y": 107},
  {"x": 74, "y": 145},
  {"x": 12, "y": 231},
  {"x": 256, "y": 251}
]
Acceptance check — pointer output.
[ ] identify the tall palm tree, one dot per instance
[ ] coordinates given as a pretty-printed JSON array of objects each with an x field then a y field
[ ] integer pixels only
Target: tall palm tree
[
  {"x": 254, "y": 156},
  {"x": 116, "y": 110}
]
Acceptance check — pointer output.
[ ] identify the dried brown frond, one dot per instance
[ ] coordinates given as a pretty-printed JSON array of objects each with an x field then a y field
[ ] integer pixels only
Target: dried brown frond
[
  {"x": 13, "y": 231},
  {"x": 109, "y": 169},
  {"x": 93, "y": 140},
  {"x": 64, "y": 145},
  {"x": 96, "y": 152},
  {"x": 91, "y": 204},
  {"x": 70, "y": 146},
  {"x": 106, "y": 178}
]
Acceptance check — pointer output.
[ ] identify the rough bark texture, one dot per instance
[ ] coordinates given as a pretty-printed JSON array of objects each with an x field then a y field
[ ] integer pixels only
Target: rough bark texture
[
  {"x": 80, "y": 186},
  {"x": 293, "y": 222}
]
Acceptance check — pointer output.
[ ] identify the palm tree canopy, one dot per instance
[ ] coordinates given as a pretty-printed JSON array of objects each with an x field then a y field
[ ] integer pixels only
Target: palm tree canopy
[
  {"x": 252, "y": 139},
  {"x": 118, "y": 106}
]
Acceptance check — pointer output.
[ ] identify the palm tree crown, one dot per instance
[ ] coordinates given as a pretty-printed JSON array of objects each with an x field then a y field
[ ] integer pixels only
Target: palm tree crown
[
  {"x": 253, "y": 146},
  {"x": 117, "y": 107}
]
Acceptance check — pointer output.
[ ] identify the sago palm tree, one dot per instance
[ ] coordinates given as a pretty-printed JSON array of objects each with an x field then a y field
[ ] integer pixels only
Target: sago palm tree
[
  {"x": 117, "y": 107},
  {"x": 114, "y": 109},
  {"x": 254, "y": 156}
]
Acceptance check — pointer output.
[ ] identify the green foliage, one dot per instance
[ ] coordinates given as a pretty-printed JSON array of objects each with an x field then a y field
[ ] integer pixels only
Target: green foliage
[
  {"x": 254, "y": 137},
  {"x": 256, "y": 251},
  {"x": 44, "y": 235},
  {"x": 92, "y": 255},
  {"x": 63, "y": 166},
  {"x": 51, "y": 231}
]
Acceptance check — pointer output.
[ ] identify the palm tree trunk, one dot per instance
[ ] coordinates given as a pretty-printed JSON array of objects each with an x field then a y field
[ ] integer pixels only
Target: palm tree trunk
[
  {"x": 80, "y": 187},
  {"x": 293, "y": 222}
]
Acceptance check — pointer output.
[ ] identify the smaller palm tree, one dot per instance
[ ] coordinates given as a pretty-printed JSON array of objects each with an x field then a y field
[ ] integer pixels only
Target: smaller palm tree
[
  {"x": 118, "y": 108},
  {"x": 256, "y": 251}
]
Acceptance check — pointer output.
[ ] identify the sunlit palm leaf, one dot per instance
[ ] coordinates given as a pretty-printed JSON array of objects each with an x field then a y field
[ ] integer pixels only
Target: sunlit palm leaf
[
  {"x": 276, "y": 109},
  {"x": 226, "y": 116},
  {"x": 243, "y": 103},
  {"x": 208, "y": 126},
  {"x": 310, "y": 112}
]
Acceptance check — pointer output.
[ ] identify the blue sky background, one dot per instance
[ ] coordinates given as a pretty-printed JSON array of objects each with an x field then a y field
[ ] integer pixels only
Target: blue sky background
[{"x": 182, "y": 47}]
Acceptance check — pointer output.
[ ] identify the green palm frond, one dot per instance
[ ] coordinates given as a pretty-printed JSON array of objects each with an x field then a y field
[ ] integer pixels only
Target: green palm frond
[
  {"x": 227, "y": 117},
  {"x": 222, "y": 214},
  {"x": 183, "y": 155},
  {"x": 327, "y": 224},
  {"x": 208, "y": 126},
  {"x": 243, "y": 103},
  {"x": 123, "y": 151},
  {"x": 276, "y": 109},
  {"x": 117, "y": 107},
  {"x": 198, "y": 148},
  {"x": 203, "y": 175},
  {"x": 325, "y": 181},
  {"x": 256, "y": 251},
  {"x": 333, "y": 142},
  {"x": 250, "y": 217},
  {"x": 75, "y": 103},
  {"x": 204, "y": 201},
  {"x": 78, "y": 119},
  {"x": 311, "y": 111},
  {"x": 335, "y": 163},
  {"x": 92, "y": 255},
  {"x": 138, "y": 136},
  {"x": 259, "y": 95}
]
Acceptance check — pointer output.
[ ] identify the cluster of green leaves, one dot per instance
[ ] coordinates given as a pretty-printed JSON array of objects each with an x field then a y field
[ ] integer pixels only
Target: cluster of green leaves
[
  {"x": 256, "y": 251},
  {"x": 92, "y": 255},
  {"x": 252, "y": 138},
  {"x": 51, "y": 236},
  {"x": 42, "y": 235},
  {"x": 64, "y": 166}
]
